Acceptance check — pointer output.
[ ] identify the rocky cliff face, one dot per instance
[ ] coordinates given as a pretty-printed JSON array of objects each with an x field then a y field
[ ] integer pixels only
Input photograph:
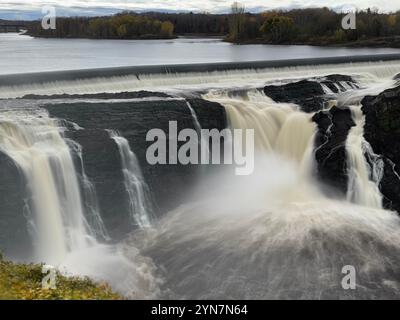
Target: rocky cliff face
[
  {"x": 169, "y": 184},
  {"x": 330, "y": 146},
  {"x": 309, "y": 94},
  {"x": 382, "y": 131},
  {"x": 14, "y": 237}
]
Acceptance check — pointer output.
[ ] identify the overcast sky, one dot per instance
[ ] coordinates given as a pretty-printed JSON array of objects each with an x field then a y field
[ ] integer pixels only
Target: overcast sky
[{"x": 31, "y": 8}]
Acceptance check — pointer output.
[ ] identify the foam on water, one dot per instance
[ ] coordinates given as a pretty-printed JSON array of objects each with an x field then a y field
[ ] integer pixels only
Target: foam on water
[{"x": 367, "y": 73}]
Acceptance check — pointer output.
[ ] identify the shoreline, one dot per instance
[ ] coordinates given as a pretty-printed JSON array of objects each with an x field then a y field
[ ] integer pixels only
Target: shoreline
[{"x": 379, "y": 42}]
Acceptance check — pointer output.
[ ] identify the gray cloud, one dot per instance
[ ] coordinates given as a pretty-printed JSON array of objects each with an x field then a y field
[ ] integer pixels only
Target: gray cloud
[{"x": 31, "y": 8}]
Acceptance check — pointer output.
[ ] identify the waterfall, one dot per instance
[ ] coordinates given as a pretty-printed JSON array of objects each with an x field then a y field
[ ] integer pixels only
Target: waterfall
[
  {"x": 279, "y": 127},
  {"x": 63, "y": 237},
  {"x": 367, "y": 73},
  {"x": 274, "y": 234},
  {"x": 271, "y": 234},
  {"x": 96, "y": 224},
  {"x": 204, "y": 148},
  {"x": 364, "y": 179},
  {"x": 136, "y": 187},
  {"x": 326, "y": 89},
  {"x": 35, "y": 144},
  {"x": 196, "y": 122}
]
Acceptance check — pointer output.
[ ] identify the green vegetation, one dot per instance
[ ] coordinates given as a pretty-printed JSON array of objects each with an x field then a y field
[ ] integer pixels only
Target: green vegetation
[
  {"x": 130, "y": 27},
  {"x": 24, "y": 282},
  {"x": 238, "y": 23},
  {"x": 120, "y": 26},
  {"x": 315, "y": 26},
  {"x": 278, "y": 28}
]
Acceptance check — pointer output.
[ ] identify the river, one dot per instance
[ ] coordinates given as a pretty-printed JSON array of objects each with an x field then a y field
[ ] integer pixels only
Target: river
[{"x": 22, "y": 54}]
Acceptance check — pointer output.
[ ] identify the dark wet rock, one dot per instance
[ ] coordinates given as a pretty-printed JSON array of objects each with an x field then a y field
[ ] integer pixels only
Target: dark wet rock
[
  {"x": 169, "y": 184},
  {"x": 309, "y": 94},
  {"x": 330, "y": 146},
  {"x": 103, "y": 95},
  {"x": 15, "y": 241},
  {"x": 336, "y": 78},
  {"x": 382, "y": 131},
  {"x": 334, "y": 81}
]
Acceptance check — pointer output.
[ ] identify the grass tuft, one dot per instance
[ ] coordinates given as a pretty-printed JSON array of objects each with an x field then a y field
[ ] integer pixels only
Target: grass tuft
[{"x": 24, "y": 282}]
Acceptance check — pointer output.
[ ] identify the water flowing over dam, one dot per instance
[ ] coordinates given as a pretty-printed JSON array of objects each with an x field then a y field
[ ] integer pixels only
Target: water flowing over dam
[{"x": 77, "y": 185}]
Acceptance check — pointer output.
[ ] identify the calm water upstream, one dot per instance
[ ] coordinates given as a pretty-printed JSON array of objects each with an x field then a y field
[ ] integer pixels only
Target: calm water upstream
[{"x": 21, "y": 54}]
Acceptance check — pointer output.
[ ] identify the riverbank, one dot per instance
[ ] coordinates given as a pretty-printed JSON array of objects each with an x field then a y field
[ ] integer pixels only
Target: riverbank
[
  {"x": 380, "y": 42},
  {"x": 143, "y": 37},
  {"x": 24, "y": 282}
]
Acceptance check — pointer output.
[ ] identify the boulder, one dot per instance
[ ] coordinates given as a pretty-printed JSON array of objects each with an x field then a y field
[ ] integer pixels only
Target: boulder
[{"x": 309, "y": 94}]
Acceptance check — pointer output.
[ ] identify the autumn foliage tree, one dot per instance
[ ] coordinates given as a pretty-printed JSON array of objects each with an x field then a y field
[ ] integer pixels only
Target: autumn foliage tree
[
  {"x": 278, "y": 29},
  {"x": 166, "y": 29},
  {"x": 130, "y": 27},
  {"x": 120, "y": 26},
  {"x": 307, "y": 26},
  {"x": 238, "y": 20}
]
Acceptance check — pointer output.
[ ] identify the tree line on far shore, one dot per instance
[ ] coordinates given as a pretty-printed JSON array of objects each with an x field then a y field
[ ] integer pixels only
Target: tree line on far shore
[
  {"x": 119, "y": 26},
  {"x": 314, "y": 25},
  {"x": 308, "y": 26}
]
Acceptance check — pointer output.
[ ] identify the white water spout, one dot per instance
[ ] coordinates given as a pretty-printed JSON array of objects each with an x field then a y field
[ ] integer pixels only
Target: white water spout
[
  {"x": 364, "y": 178},
  {"x": 136, "y": 187},
  {"x": 95, "y": 222}
]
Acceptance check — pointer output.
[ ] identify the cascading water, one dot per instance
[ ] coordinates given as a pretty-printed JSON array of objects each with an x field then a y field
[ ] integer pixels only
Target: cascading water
[
  {"x": 367, "y": 73},
  {"x": 364, "y": 179},
  {"x": 34, "y": 142},
  {"x": 96, "y": 224},
  {"x": 194, "y": 116},
  {"x": 274, "y": 234},
  {"x": 279, "y": 128},
  {"x": 269, "y": 235},
  {"x": 204, "y": 148},
  {"x": 63, "y": 236},
  {"x": 136, "y": 187}
]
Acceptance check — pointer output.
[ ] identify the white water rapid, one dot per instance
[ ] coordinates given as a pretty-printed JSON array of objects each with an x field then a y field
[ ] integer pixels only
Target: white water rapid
[
  {"x": 274, "y": 234},
  {"x": 364, "y": 179}
]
